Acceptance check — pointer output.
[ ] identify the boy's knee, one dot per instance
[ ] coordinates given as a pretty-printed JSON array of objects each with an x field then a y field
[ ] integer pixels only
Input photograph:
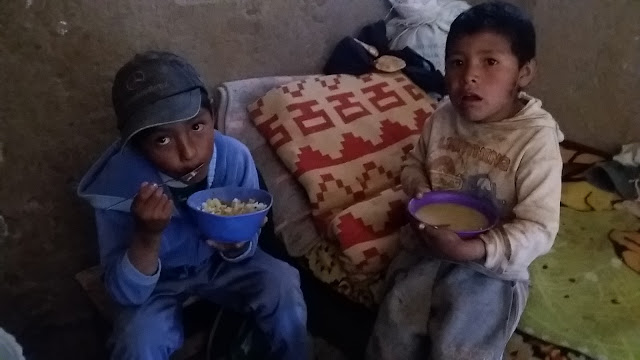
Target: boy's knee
[
  {"x": 147, "y": 334},
  {"x": 281, "y": 286},
  {"x": 150, "y": 333},
  {"x": 289, "y": 277}
]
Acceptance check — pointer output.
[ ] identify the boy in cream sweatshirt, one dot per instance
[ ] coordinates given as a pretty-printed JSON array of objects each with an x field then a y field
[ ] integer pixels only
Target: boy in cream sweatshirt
[{"x": 461, "y": 299}]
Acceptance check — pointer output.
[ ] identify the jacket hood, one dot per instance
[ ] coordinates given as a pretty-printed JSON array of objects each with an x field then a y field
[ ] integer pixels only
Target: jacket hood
[
  {"x": 115, "y": 178},
  {"x": 531, "y": 115}
]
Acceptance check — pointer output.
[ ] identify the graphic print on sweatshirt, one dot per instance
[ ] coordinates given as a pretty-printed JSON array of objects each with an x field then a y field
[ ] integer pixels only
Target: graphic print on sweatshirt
[{"x": 461, "y": 165}]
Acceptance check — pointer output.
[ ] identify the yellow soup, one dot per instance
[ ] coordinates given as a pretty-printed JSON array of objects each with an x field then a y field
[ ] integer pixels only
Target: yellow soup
[{"x": 453, "y": 216}]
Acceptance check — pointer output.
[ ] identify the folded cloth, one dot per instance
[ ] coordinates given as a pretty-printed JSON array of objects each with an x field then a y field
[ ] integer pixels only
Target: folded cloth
[
  {"x": 613, "y": 176},
  {"x": 583, "y": 196},
  {"x": 630, "y": 155},
  {"x": 632, "y": 206}
]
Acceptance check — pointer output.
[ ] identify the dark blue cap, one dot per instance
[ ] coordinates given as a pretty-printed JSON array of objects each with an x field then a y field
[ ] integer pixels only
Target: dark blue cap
[{"x": 155, "y": 88}]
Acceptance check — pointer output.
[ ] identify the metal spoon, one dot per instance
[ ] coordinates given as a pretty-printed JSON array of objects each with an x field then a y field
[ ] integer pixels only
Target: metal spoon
[
  {"x": 184, "y": 178},
  {"x": 190, "y": 175}
]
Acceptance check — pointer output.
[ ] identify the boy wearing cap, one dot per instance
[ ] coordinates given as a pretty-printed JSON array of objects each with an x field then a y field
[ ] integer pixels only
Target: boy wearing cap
[{"x": 153, "y": 256}]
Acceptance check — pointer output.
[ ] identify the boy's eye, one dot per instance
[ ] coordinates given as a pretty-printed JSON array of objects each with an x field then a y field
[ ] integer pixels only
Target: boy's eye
[
  {"x": 163, "y": 140},
  {"x": 455, "y": 62},
  {"x": 197, "y": 127},
  {"x": 492, "y": 62}
]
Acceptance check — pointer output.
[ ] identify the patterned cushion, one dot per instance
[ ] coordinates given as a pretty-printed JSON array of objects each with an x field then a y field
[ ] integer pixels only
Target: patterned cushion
[
  {"x": 345, "y": 138},
  {"x": 368, "y": 231}
]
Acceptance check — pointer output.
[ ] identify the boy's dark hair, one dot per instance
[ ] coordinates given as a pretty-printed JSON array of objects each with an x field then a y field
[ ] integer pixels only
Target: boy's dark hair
[
  {"x": 501, "y": 18},
  {"x": 205, "y": 102}
]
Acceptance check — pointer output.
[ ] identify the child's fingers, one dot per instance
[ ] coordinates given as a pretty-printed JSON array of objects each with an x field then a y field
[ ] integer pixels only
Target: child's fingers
[
  {"x": 420, "y": 191},
  {"x": 431, "y": 230},
  {"x": 157, "y": 205},
  {"x": 427, "y": 229},
  {"x": 167, "y": 207},
  {"x": 151, "y": 206},
  {"x": 155, "y": 199},
  {"x": 443, "y": 235},
  {"x": 146, "y": 190}
]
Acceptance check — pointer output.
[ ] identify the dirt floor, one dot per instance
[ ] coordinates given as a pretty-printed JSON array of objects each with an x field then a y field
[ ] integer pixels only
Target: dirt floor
[{"x": 43, "y": 306}]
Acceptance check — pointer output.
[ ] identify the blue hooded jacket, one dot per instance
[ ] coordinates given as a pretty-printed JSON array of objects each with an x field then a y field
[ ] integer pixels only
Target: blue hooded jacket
[{"x": 116, "y": 176}]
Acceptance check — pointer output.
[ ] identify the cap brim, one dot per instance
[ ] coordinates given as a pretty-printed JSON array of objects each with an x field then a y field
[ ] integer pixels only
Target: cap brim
[{"x": 176, "y": 108}]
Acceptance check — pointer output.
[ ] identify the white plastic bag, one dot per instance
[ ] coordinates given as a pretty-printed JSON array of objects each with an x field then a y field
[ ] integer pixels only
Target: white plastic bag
[
  {"x": 630, "y": 155},
  {"x": 423, "y": 25},
  {"x": 9, "y": 347}
]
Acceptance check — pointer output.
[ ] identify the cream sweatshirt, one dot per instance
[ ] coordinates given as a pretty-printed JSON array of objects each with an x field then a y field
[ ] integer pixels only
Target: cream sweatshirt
[{"x": 515, "y": 163}]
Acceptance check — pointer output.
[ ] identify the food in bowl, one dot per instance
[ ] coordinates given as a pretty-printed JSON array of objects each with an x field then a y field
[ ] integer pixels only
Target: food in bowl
[
  {"x": 235, "y": 207},
  {"x": 224, "y": 221},
  {"x": 455, "y": 217},
  {"x": 466, "y": 215}
]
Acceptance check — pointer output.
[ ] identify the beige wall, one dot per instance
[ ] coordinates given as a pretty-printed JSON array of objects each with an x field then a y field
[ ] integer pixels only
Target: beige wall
[{"x": 57, "y": 59}]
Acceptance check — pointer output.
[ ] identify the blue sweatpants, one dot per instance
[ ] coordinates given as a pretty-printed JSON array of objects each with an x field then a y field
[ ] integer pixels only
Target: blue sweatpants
[{"x": 263, "y": 286}]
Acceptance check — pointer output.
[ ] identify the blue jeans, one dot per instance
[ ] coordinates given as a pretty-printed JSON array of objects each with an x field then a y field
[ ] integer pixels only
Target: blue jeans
[
  {"x": 439, "y": 310},
  {"x": 263, "y": 286}
]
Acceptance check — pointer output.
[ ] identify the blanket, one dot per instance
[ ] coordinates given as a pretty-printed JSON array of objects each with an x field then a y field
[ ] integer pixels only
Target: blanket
[{"x": 584, "y": 296}]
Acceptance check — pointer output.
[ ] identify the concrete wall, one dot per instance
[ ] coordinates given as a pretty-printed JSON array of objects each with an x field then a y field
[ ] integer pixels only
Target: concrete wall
[
  {"x": 589, "y": 67},
  {"x": 57, "y": 59}
]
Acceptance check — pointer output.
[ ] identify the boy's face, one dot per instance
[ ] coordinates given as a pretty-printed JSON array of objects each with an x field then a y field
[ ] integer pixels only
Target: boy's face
[
  {"x": 177, "y": 149},
  {"x": 483, "y": 77}
]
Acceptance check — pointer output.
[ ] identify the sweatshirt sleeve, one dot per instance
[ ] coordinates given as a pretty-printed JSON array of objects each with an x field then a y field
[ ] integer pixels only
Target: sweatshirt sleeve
[
  {"x": 126, "y": 285},
  {"x": 246, "y": 251},
  {"x": 414, "y": 171},
  {"x": 513, "y": 246},
  {"x": 246, "y": 176}
]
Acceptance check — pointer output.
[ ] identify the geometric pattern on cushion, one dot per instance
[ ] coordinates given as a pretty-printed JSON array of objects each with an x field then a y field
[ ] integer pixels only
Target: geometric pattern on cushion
[
  {"x": 368, "y": 231},
  {"x": 343, "y": 137}
]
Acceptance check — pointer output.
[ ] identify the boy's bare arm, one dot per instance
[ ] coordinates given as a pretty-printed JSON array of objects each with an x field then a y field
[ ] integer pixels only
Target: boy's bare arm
[{"x": 152, "y": 210}]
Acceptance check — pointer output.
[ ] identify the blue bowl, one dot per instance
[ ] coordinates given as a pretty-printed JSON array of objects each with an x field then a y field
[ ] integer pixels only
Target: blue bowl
[
  {"x": 229, "y": 229},
  {"x": 454, "y": 197}
]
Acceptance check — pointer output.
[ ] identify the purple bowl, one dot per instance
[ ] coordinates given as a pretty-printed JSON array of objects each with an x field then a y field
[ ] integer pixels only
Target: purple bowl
[{"x": 454, "y": 197}]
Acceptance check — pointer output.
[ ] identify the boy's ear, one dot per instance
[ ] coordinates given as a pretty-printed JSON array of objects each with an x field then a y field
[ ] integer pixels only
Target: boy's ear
[{"x": 527, "y": 73}]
